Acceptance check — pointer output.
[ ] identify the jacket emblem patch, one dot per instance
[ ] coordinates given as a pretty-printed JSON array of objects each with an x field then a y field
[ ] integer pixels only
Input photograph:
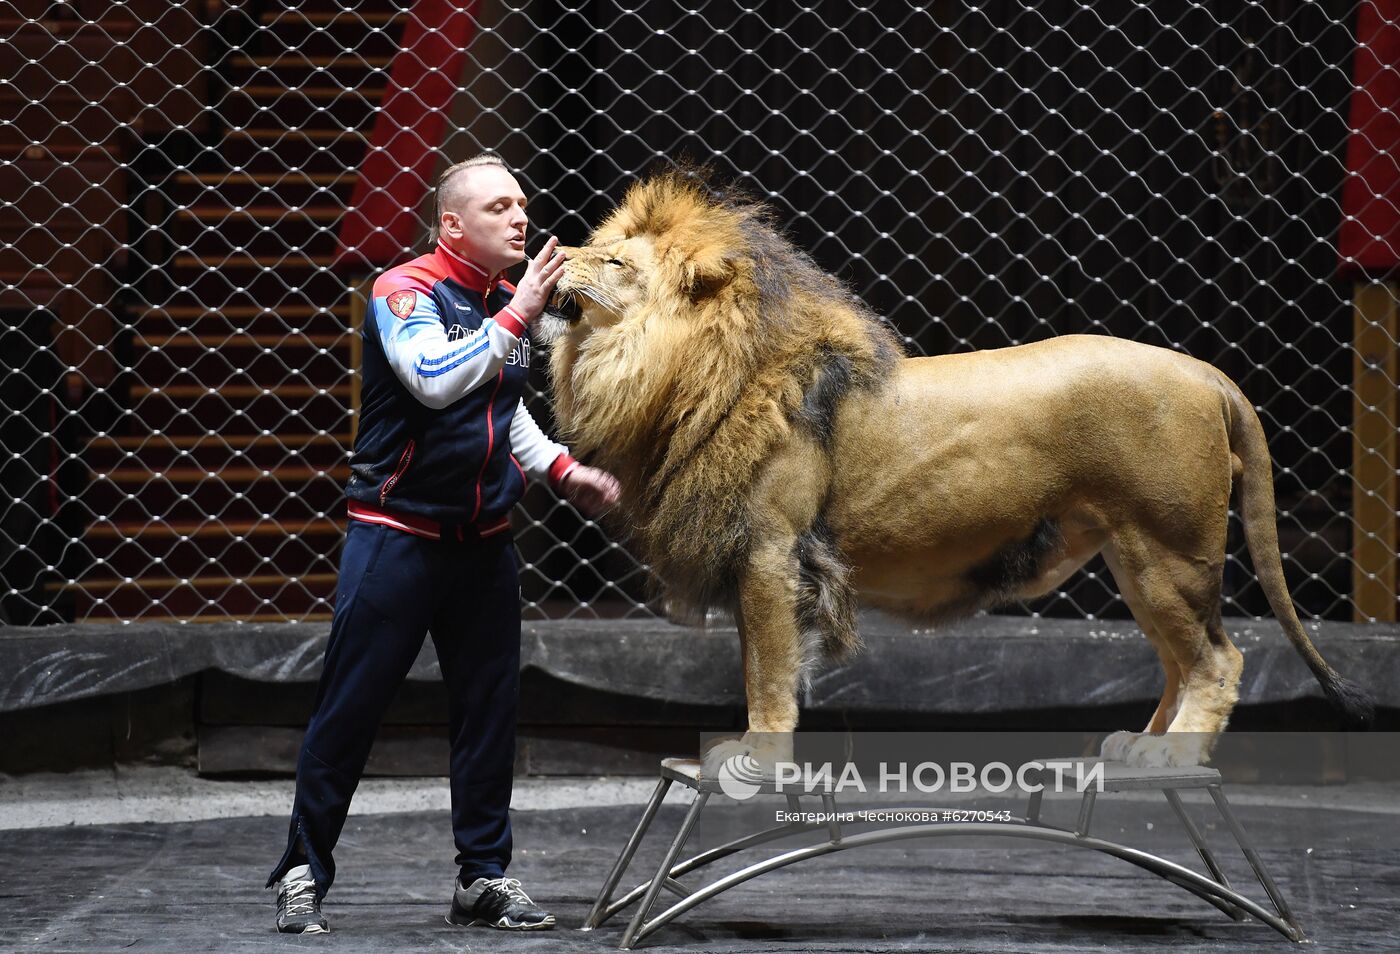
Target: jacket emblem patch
[{"x": 401, "y": 302}]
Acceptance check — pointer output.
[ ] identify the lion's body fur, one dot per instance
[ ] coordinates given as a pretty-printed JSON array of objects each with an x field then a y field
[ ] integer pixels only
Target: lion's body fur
[
  {"x": 687, "y": 419},
  {"x": 779, "y": 459}
]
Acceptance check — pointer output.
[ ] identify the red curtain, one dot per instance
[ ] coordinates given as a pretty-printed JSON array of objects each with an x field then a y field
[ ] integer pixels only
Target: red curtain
[
  {"x": 408, "y": 130},
  {"x": 1369, "y": 241}
]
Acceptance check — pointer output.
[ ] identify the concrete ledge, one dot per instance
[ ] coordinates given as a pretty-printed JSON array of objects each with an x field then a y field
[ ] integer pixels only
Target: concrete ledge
[{"x": 986, "y": 664}]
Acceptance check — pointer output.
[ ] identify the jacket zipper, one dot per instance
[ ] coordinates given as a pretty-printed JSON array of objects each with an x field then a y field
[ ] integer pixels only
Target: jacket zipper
[
  {"x": 399, "y": 471},
  {"x": 490, "y": 440}
]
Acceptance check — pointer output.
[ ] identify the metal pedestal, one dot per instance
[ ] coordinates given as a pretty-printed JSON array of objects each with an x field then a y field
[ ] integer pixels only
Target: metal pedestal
[{"x": 1213, "y": 888}]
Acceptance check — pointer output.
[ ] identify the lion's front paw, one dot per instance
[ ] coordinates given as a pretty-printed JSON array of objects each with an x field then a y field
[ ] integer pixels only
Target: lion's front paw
[
  {"x": 1115, "y": 747},
  {"x": 1171, "y": 750},
  {"x": 724, "y": 753},
  {"x": 754, "y": 757}
]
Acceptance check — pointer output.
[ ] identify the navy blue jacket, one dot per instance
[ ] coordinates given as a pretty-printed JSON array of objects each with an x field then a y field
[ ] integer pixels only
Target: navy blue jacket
[{"x": 444, "y": 442}]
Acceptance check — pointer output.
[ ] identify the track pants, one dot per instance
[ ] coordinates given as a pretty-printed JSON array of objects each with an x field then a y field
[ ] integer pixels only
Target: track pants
[{"x": 393, "y": 588}]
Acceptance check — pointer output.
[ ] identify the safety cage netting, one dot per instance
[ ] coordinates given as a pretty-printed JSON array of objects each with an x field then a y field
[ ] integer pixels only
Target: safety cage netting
[{"x": 194, "y": 194}]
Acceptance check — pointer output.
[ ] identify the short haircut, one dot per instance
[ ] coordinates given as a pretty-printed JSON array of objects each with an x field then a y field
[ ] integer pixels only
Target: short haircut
[{"x": 480, "y": 159}]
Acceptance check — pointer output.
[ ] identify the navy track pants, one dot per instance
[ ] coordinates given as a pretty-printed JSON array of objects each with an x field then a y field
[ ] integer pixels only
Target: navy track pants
[{"x": 393, "y": 588}]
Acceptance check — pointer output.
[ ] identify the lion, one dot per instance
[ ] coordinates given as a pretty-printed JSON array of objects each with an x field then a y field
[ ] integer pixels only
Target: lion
[{"x": 782, "y": 460}]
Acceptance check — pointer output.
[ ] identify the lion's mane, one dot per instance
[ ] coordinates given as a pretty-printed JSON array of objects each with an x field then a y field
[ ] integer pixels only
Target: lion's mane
[{"x": 743, "y": 344}]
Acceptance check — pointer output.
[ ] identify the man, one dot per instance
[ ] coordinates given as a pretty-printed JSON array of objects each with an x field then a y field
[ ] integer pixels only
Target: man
[{"x": 442, "y": 453}]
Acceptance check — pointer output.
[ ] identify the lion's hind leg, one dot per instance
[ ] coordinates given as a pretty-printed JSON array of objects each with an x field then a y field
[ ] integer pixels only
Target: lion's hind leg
[
  {"x": 1175, "y": 598},
  {"x": 1119, "y": 744}
]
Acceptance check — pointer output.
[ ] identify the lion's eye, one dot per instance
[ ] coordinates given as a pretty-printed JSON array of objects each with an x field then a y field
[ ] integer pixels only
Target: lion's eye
[{"x": 616, "y": 262}]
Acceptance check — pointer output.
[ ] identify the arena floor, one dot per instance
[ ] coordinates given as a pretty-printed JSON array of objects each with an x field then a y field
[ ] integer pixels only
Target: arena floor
[{"x": 122, "y": 879}]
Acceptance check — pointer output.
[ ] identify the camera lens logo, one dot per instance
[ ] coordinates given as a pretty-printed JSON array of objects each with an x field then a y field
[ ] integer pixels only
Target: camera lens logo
[{"x": 740, "y": 777}]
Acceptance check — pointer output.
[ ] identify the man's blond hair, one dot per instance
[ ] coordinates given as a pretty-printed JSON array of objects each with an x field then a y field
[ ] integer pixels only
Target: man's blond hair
[{"x": 443, "y": 192}]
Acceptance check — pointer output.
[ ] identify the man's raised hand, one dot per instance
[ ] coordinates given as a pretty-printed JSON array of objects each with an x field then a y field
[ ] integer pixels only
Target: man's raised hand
[{"x": 541, "y": 275}]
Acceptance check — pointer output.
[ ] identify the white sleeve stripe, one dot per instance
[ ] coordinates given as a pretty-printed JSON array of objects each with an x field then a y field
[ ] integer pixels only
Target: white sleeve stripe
[
  {"x": 434, "y": 369},
  {"x": 477, "y": 338}
]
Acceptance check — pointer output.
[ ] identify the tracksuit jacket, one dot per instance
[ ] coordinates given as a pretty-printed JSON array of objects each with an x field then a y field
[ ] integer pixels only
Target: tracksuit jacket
[{"x": 445, "y": 442}]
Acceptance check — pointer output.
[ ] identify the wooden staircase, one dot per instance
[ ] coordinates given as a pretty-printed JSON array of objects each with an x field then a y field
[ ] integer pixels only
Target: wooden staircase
[{"x": 221, "y": 497}]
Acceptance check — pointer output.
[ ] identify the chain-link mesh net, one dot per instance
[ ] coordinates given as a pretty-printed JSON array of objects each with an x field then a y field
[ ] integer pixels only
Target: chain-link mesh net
[{"x": 178, "y": 323}]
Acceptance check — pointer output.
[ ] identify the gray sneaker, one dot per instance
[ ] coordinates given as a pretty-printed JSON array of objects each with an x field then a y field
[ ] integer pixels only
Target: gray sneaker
[
  {"x": 298, "y": 908},
  {"x": 499, "y": 903}
]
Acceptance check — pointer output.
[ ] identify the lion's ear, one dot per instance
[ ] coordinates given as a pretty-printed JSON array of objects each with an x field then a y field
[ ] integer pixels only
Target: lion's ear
[{"x": 705, "y": 272}]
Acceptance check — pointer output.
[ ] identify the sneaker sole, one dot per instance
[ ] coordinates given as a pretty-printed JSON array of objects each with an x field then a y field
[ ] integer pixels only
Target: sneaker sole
[
  {"x": 313, "y": 929},
  {"x": 504, "y": 924}
]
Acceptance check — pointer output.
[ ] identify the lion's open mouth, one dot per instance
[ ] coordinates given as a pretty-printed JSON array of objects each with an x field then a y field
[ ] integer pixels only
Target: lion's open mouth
[{"x": 565, "y": 305}]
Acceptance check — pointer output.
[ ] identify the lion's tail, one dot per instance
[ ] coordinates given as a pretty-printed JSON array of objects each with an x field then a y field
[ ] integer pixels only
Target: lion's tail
[
  {"x": 1255, "y": 487},
  {"x": 826, "y": 600}
]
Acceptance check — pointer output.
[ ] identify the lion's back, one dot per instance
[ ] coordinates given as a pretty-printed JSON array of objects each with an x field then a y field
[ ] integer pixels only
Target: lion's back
[
  {"x": 1051, "y": 371},
  {"x": 1067, "y": 409}
]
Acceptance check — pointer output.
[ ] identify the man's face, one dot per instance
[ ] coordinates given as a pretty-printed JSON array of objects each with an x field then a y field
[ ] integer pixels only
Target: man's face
[{"x": 483, "y": 217}]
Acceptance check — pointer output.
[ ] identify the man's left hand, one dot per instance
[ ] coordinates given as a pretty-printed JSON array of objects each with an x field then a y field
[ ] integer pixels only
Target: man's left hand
[
  {"x": 541, "y": 275},
  {"x": 592, "y": 491}
]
